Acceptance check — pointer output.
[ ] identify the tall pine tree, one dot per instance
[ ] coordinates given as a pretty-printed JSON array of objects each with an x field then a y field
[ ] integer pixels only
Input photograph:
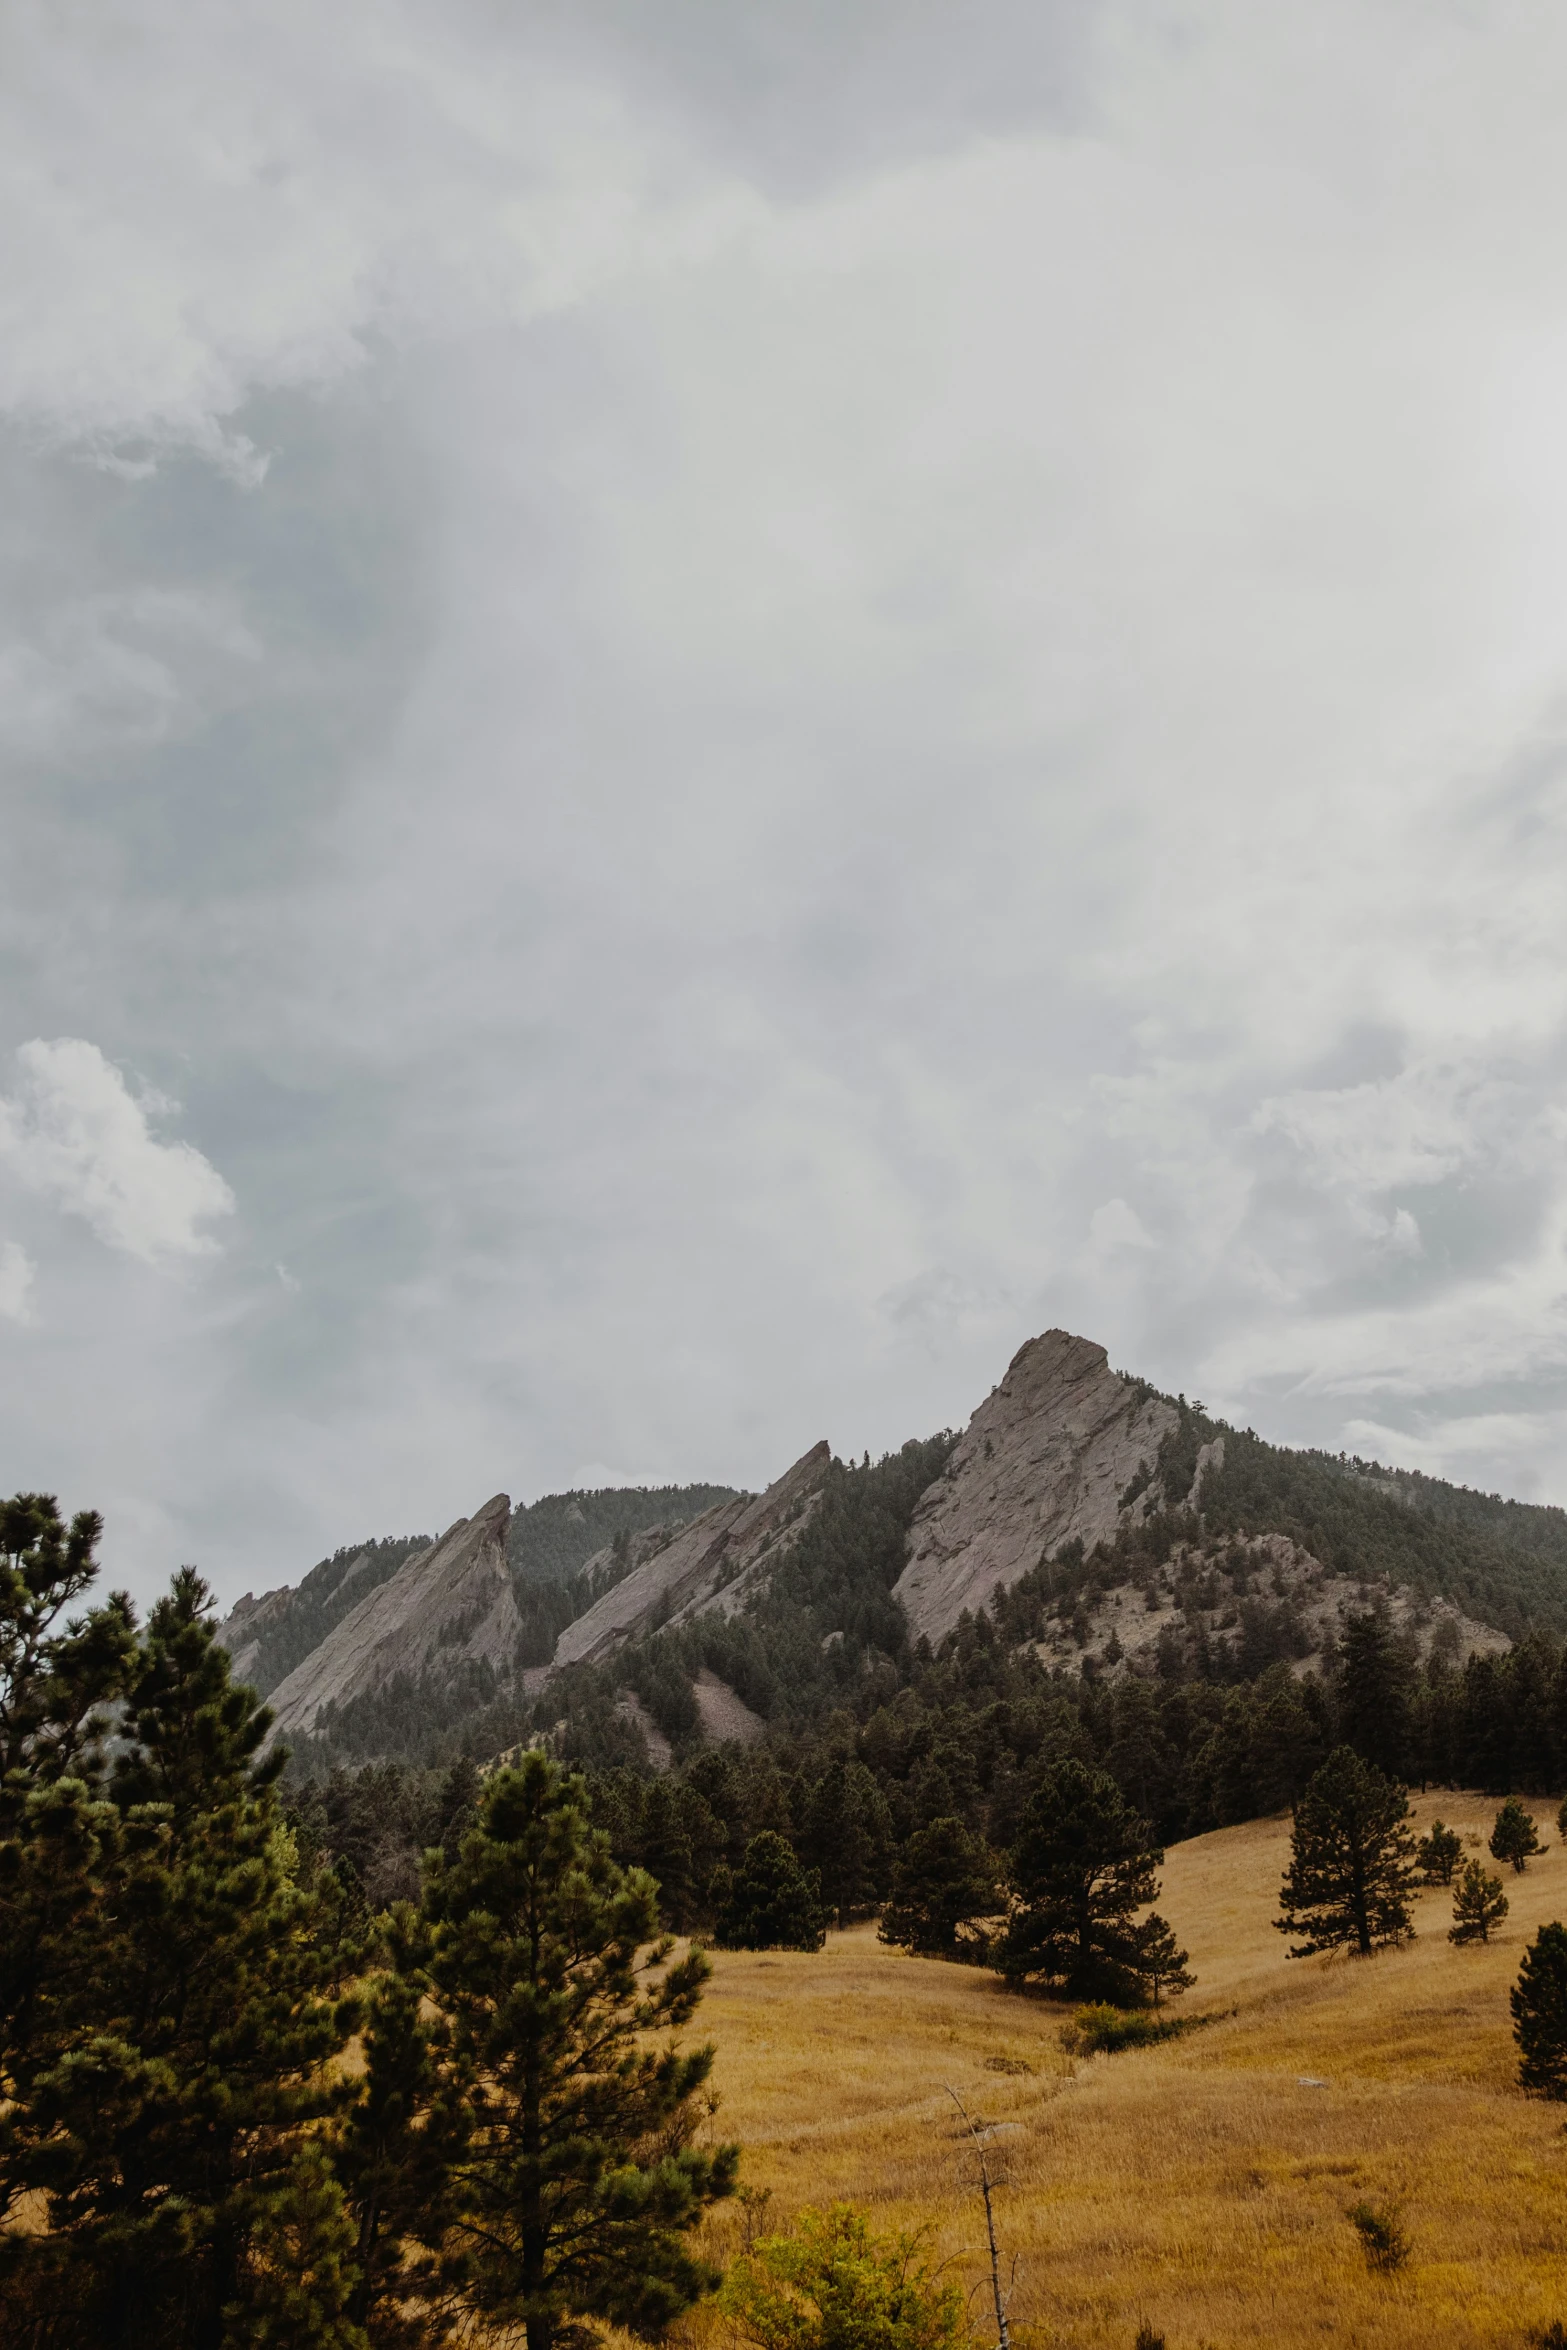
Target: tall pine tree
[
  {"x": 1083, "y": 1865},
  {"x": 578, "y": 2179},
  {"x": 164, "y": 2087},
  {"x": 1351, "y": 1869}
]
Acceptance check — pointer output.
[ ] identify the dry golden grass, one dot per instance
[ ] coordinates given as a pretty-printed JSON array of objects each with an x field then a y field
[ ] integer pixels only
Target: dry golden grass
[{"x": 1204, "y": 2185}]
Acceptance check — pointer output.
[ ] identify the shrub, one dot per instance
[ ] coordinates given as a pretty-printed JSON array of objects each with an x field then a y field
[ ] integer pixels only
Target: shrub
[
  {"x": 1382, "y": 2239},
  {"x": 1147, "y": 2339},
  {"x": 835, "y": 2286},
  {"x": 1109, "y": 2029}
]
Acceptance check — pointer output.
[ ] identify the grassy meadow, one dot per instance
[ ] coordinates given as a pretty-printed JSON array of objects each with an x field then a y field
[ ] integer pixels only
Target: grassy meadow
[{"x": 1202, "y": 2185}]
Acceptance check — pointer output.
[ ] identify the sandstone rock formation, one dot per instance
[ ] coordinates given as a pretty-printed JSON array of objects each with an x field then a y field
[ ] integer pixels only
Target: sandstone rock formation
[
  {"x": 451, "y": 1602},
  {"x": 1046, "y": 1458},
  {"x": 714, "y": 1562}
]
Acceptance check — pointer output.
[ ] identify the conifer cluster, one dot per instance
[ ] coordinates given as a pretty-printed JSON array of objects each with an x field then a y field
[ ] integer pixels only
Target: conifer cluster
[{"x": 181, "y": 1973}]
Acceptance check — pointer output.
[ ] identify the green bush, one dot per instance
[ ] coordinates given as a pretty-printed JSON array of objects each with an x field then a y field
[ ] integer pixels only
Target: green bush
[
  {"x": 1110, "y": 2029},
  {"x": 835, "y": 2286},
  {"x": 1382, "y": 2239}
]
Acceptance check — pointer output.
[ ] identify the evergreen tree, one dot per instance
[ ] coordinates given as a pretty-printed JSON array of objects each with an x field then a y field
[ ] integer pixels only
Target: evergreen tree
[
  {"x": 1375, "y": 1685},
  {"x": 577, "y": 2180},
  {"x": 396, "y": 2151},
  {"x": 772, "y": 1904},
  {"x": 1083, "y": 1865},
  {"x": 1479, "y": 1905},
  {"x": 666, "y": 1851},
  {"x": 1514, "y": 1837},
  {"x": 1350, "y": 1872},
  {"x": 457, "y": 1805},
  {"x": 945, "y": 1880},
  {"x": 1539, "y": 2005},
  {"x": 1161, "y": 1964},
  {"x": 163, "y": 2091},
  {"x": 848, "y": 1838},
  {"x": 1439, "y": 1854}
]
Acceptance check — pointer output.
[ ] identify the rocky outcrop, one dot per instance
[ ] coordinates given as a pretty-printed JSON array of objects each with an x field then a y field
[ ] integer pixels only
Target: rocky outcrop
[
  {"x": 1261, "y": 1597},
  {"x": 715, "y": 1562},
  {"x": 724, "y": 1713},
  {"x": 1046, "y": 1459},
  {"x": 447, "y": 1605}
]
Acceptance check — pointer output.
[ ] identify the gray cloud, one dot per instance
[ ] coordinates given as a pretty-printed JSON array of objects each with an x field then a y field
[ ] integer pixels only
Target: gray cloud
[{"x": 741, "y": 713}]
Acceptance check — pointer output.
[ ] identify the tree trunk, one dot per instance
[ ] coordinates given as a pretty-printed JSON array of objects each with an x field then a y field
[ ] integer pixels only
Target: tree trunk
[{"x": 1358, "y": 1901}]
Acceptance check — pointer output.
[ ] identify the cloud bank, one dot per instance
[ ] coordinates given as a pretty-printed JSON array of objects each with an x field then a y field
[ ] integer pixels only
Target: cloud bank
[{"x": 745, "y": 706}]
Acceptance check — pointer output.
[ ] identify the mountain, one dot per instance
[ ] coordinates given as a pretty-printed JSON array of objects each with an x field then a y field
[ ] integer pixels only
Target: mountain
[
  {"x": 551, "y": 1546},
  {"x": 1048, "y": 1458},
  {"x": 714, "y": 1563},
  {"x": 448, "y": 1607},
  {"x": 1094, "y": 1525}
]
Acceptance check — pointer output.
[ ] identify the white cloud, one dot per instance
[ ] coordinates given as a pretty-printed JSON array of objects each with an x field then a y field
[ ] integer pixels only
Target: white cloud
[
  {"x": 16, "y": 1280},
  {"x": 75, "y": 1134}
]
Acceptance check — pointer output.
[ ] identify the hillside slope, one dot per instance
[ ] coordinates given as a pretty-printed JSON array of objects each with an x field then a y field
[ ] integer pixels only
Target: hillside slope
[{"x": 1203, "y": 2187}]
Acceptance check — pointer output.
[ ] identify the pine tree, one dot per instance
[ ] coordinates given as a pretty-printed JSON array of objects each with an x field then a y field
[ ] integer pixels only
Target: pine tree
[
  {"x": 1083, "y": 1865},
  {"x": 666, "y": 1852},
  {"x": 1375, "y": 1684},
  {"x": 1439, "y": 1854},
  {"x": 577, "y": 2179},
  {"x": 848, "y": 1838},
  {"x": 163, "y": 2095},
  {"x": 1161, "y": 1964},
  {"x": 457, "y": 1804},
  {"x": 1479, "y": 1905},
  {"x": 772, "y": 1903},
  {"x": 945, "y": 1880},
  {"x": 59, "y": 1837},
  {"x": 1350, "y": 1873},
  {"x": 1539, "y": 2005},
  {"x": 395, "y": 2153},
  {"x": 1514, "y": 1836}
]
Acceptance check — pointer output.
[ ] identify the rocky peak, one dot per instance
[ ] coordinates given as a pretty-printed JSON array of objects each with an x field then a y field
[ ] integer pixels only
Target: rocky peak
[
  {"x": 1045, "y": 1460},
  {"x": 448, "y": 1604},
  {"x": 711, "y": 1563}
]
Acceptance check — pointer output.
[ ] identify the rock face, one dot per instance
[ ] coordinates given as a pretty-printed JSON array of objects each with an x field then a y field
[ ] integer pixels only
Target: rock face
[
  {"x": 447, "y": 1604},
  {"x": 1046, "y": 1458},
  {"x": 713, "y": 1563}
]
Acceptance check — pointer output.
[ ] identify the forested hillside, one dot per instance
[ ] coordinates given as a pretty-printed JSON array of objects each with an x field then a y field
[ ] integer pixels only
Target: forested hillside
[
  {"x": 869, "y": 1735},
  {"x": 1272, "y": 1601}
]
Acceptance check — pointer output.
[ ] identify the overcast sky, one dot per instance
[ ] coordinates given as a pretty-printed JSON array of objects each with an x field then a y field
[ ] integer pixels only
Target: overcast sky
[{"x": 709, "y": 707}]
